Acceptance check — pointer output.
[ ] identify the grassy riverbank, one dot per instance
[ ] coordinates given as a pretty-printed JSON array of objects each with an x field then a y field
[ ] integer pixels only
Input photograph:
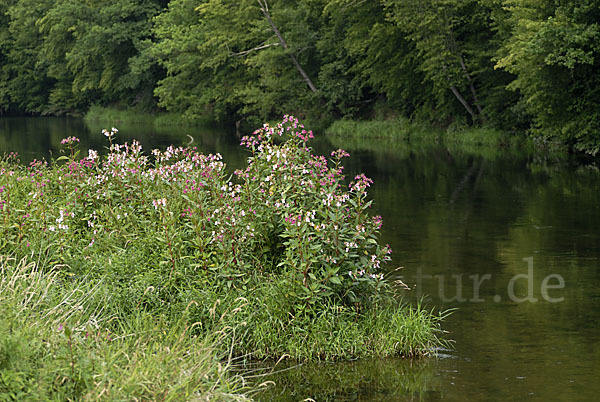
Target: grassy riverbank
[
  {"x": 114, "y": 116},
  {"x": 401, "y": 129},
  {"x": 403, "y": 137},
  {"x": 65, "y": 339},
  {"x": 147, "y": 276},
  {"x": 396, "y": 132}
]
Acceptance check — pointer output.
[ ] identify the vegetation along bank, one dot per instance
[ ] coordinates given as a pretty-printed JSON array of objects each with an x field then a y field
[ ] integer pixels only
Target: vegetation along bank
[{"x": 149, "y": 276}]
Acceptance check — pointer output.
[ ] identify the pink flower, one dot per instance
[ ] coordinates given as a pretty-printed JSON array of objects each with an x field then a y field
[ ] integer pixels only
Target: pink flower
[
  {"x": 69, "y": 140},
  {"x": 377, "y": 220},
  {"x": 339, "y": 154},
  {"x": 360, "y": 183}
]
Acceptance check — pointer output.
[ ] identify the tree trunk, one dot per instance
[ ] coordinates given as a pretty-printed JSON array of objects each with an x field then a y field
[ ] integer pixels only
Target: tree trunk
[
  {"x": 453, "y": 47},
  {"x": 463, "y": 101},
  {"x": 265, "y": 10},
  {"x": 471, "y": 86},
  {"x": 460, "y": 98}
]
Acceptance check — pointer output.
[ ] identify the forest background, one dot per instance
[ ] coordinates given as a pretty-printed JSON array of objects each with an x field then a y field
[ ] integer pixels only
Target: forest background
[{"x": 523, "y": 66}]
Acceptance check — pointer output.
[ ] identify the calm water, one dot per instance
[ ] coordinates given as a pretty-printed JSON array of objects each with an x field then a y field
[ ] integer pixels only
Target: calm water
[{"x": 510, "y": 240}]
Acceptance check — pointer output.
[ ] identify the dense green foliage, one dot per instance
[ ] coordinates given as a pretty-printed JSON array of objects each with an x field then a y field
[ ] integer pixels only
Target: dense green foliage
[
  {"x": 60, "y": 57},
  {"x": 511, "y": 64},
  {"x": 553, "y": 50}
]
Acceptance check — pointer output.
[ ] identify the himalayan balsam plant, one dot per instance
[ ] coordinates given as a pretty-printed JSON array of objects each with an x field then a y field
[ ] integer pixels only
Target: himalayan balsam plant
[
  {"x": 319, "y": 226},
  {"x": 288, "y": 216}
]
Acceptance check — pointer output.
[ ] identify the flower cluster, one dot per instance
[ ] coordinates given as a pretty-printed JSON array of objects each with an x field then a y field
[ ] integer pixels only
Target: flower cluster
[
  {"x": 69, "y": 140},
  {"x": 110, "y": 134},
  {"x": 326, "y": 230},
  {"x": 92, "y": 155},
  {"x": 288, "y": 213},
  {"x": 162, "y": 202},
  {"x": 339, "y": 154},
  {"x": 360, "y": 184}
]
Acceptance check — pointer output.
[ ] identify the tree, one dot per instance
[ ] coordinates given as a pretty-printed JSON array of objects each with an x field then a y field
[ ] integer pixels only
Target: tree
[
  {"x": 24, "y": 82},
  {"x": 5, "y": 42},
  {"x": 441, "y": 31},
  {"x": 264, "y": 7},
  {"x": 236, "y": 57},
  {"x": 366, "y": 58},
  {"x": 553, "y": 49},
  {"x": 93, "y": 51}
]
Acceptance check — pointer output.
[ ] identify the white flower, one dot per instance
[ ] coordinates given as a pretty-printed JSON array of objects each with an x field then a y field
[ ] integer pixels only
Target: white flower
[
  {"x": 61, "y": 218},
  {"x": 92, "y": 155},
  {"x": 159, "y": 202}
]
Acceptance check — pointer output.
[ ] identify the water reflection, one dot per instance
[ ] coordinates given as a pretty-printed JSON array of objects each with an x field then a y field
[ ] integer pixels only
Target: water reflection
[
  {"x": 364, "y": 380},
  {"x": 452, "y": 217}
]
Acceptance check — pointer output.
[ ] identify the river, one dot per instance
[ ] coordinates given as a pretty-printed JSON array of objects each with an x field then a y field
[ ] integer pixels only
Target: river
[{"x": 508, "y": 239}]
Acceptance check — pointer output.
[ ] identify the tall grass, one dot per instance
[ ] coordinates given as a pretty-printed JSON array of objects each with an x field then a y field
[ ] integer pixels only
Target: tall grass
[
  {"x": 122, "y": 117},
  {"x": 386, "y": 133},
  {"x": 397, "y": 130},
  {"x": 265, "y": 328},
  {"x": 59, "y": 341}
]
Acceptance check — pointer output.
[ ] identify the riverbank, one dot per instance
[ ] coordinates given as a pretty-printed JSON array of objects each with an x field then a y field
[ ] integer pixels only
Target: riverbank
[
  {"x": 404, "y": 136},
  {"x": 398, "y": 133},
  {"x": 168, "y": 254},
  {"x": 120, "y": 117},
  {"x": 401, "y": 129},
  {"x": 64, "y": 338}
]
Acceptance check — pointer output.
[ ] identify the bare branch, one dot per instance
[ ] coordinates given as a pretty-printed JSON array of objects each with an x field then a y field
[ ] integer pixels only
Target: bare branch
[
  {"x": 264, "y": 7},
  {"x": 245, "y": 52}
]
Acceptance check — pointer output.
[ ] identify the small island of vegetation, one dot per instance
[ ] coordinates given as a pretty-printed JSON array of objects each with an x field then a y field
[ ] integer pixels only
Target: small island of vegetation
[{"x": 132, "y": 275}]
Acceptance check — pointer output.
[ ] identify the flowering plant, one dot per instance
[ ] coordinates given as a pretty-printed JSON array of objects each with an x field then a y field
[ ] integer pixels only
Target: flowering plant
[
  {"x": 284, "y": 252},
  {"x": 329, "y": 244},
  {"x": 288, "y": 216}
]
